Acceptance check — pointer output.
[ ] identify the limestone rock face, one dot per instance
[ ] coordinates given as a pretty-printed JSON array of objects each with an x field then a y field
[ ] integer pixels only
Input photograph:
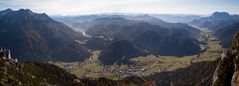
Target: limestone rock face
[
  {"x": 227, "y": 71},
  {"x": 235, "y": 79}
]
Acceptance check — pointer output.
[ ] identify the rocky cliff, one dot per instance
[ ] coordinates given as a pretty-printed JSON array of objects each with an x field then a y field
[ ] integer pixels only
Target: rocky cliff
[
  {"x": 227, "y": 71},
  {"x": 14, "y": 73}
]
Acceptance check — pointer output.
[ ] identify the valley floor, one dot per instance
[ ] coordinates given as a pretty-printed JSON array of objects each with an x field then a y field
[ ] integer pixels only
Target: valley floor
[{"x": 144, "y": 65}]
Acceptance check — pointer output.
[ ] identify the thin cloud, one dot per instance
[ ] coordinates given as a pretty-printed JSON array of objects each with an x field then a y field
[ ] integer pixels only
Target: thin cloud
[{"x": 75, "y": 7}]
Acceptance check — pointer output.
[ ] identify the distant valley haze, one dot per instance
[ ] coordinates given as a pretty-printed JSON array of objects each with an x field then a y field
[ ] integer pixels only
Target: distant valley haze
[{"x": 85, "y": 7}]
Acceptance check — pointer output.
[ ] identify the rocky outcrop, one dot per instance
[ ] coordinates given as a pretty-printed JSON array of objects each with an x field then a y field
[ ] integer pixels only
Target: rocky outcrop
[
  {"x": 128, "y": 81},
  {"x": 5, "y": 53},
  {"x": 227, "y": 71},
  {"x": 13, "y": 73}
]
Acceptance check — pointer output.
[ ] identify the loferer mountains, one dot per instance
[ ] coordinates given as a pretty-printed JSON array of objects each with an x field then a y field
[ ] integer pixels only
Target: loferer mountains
[{"x": 33, "y": 36}]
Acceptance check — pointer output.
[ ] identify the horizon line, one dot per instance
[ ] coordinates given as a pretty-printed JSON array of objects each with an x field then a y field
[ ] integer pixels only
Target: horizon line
[{"x": 121, "y": 13}]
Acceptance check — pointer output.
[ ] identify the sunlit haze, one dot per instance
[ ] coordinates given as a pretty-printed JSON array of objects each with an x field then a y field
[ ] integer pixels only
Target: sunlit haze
[{"x": 79, "y": 7}]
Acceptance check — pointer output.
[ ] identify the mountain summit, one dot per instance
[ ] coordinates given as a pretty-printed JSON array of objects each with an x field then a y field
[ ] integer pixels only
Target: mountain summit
[
  {"x": 216, "y": 21},
  {"x": 221, "y": 15},
  {"x": 23, "y": 14}
]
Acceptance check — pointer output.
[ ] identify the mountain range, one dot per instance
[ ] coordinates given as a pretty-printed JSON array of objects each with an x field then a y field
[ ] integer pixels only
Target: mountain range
[
  {"x": 33, "y": 36},
  {"x": 216, "y": 21},
  {"x": 37, "y": 37},
  {"x": 150, "y": 38}
]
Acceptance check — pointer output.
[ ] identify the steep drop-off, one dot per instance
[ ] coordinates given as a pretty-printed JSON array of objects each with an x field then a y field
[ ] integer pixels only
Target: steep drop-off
[{"x": 226, "y": 73}]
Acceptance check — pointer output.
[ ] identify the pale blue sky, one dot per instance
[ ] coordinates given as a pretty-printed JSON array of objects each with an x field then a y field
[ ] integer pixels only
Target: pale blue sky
[{"x": 78, "y": 7}]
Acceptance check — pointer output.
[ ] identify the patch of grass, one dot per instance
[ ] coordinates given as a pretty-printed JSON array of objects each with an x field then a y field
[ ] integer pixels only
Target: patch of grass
[
  {"x": 93, "y": 66},
  {"x": 79, "y": 72},
  {"x": 110, "y": 76}
]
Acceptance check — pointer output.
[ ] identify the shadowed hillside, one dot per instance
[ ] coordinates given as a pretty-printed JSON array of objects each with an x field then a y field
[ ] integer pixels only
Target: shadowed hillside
[
  {"x": 37, "y": 37},
  {"x": 226, "y": 34}
]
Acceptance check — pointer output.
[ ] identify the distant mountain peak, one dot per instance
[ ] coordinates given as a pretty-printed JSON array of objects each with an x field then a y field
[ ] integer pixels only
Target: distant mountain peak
[
  {"x": 110, "y": 18},
  {"x": 25, "y": 11},
  {"x": 23, "y": 14},
  {"x": 3, "y": 12},
  {"x": 221, "y": 15},
  {"x": 7, "y": 10}
]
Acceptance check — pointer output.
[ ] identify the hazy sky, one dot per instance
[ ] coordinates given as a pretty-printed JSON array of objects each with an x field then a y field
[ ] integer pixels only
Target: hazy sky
[{"x": 75, "y": 7}]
